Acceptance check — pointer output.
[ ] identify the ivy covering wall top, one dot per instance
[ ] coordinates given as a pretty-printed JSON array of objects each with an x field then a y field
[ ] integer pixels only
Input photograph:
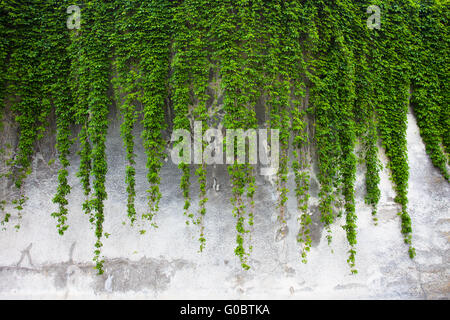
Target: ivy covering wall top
[{"x": 324, "y": 77}]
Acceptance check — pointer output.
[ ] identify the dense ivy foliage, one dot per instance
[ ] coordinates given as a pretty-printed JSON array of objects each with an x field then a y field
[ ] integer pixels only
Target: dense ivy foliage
[
  {"x": 332, "y": 86},
  {"x": 430, "y": 80},
  {"x": 95, "y": 56},
  {"x": 142, "y": 40},
  {"x": 394, "y": 72},
  {"x": 190, "y": 80}
]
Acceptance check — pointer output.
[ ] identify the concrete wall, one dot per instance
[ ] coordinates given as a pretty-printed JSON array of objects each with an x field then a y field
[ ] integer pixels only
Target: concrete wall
[{"x": 35, "y": 262}]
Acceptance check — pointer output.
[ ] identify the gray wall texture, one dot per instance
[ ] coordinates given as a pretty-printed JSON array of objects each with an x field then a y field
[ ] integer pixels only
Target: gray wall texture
[{"x": 164, "y": 263}]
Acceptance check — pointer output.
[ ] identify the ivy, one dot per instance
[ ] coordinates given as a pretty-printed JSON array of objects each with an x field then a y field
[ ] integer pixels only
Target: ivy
[
  {"x": 238, "y": 107},
  {"x": 57, "y": 67},
  {"x": 200, "y": 75},
  {"x": 154, "y": 19},
  {"x": 364, "y": 108},
  {"x": 429, "y": 81},
  {"x": 299, "y": 29},
  {"x": 4, "y": 55},
  {"x": 278, "y": 90},
  {"x": 392, "y": 46},
  {"x": 25, "y": 84},
  {"x": 191, "y": 72},
  {"x": 128, "y": 93},
  {"x": 324, "y": 77},
  {"x": 181, "y": 84},
  {"x": 250, "y": 14},
  {"x": 328, "y": 83},
  {"x": 93, "y": 102}
]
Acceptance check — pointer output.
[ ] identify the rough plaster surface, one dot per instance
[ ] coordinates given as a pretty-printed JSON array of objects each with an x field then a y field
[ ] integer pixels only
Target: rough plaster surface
[{"x": 164, "y": 263}]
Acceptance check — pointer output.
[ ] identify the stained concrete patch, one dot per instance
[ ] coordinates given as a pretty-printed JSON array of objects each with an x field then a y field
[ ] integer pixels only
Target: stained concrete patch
[
  {"x": 121, "y": 275},
  {"x": 145, "y": 274}
]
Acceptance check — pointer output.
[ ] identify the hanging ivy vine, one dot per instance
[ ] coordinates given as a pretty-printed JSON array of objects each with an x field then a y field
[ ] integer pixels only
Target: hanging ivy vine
[
  {"x": 429, "y": 80},
  {"x": 57, "y": 67},
  {"x": 392, "y": 46},
  {"x": 154, "y": 40},
  {"x": 277, "y": 88},
  {"x": 128, "y": 92},
  {"x": 191, "y": 72},
  {"x": 4, "y": 55}
]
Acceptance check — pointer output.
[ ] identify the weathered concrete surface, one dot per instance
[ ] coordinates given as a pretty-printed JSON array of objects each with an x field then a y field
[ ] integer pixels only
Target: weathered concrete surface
[{"x": 35, "y": 262}]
